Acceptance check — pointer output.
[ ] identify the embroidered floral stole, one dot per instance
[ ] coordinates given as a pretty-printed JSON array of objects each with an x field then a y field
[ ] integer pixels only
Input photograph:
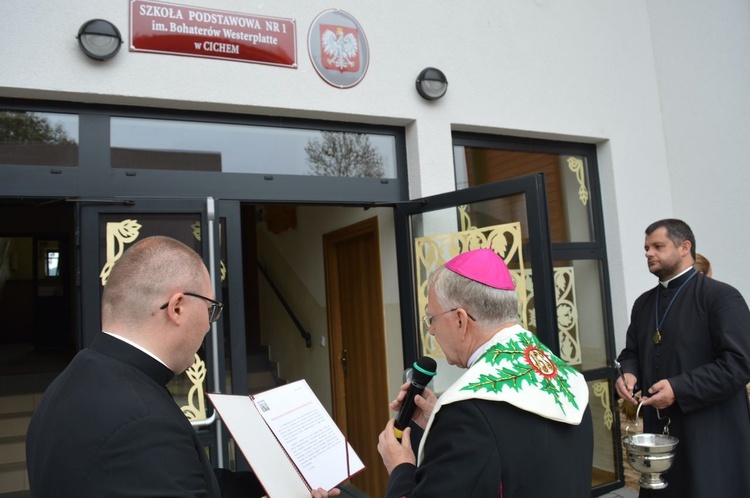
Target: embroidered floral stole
[{"x": 518, "y": 369}]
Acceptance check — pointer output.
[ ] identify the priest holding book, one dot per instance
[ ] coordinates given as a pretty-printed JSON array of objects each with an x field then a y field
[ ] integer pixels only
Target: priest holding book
[
  {"x": 107, "y": 426},
  {"x": 516, "y": 424}
]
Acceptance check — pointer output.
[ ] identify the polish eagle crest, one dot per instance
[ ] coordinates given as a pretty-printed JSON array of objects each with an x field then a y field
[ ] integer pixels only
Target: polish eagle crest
[{"x": 341, "y": 49}]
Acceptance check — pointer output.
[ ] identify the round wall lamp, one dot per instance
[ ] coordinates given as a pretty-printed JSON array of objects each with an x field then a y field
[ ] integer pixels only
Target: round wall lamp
[
  {"x": 99, "y": 39},
  {"x": 431, "y": 83}
]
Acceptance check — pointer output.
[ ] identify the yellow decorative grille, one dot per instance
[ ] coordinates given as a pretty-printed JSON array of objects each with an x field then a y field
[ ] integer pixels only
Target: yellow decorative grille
[
  {"x": 601, "y": 391},
  {"x": 575, "y": 164},
  {"x": 567, "y": 312},
  {"x": 435, "y": 250},
  {"x": 506, "y": 240},
  {"x": 118, "y": 234},
  {"x": 196, "y": 407}
]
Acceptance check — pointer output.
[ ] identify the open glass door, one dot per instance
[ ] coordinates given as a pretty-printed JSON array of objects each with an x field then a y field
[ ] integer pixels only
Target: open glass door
[
  {"x": 213, "y": 231},
  {"x": 509, "y": 217}
]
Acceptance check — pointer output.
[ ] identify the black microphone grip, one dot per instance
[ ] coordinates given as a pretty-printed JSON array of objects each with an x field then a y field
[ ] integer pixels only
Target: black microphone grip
[{"x": 423, "y": 372}]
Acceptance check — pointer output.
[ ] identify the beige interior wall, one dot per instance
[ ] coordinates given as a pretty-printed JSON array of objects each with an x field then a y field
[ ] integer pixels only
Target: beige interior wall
[
  {"x": 21, "y": 251},
  {"x": 294, "y": 260},
  {"x": 286, "y": 346}
]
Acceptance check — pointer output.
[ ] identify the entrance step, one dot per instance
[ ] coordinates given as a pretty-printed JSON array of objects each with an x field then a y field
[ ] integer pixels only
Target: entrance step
[
  {"x": 14, "y": 479},
  {"x": 15, "y": 415},
  {"x": 13, "y": 450},
  {"x": 12, "y": 385},
  {"x": 13, "y": 425}
]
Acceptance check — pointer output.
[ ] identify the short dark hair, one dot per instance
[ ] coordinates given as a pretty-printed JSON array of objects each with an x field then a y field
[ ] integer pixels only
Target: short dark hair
[
  {"x": 148, "y": 272},
  {"x": 677, "y": 230}
]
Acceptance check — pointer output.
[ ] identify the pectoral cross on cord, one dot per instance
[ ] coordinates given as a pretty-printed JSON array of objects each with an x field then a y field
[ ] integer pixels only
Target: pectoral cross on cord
[{"x": 660, "y": 324}]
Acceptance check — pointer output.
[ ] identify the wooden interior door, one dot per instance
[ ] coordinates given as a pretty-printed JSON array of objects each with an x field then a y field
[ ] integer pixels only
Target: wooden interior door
[{"x": 357, "y": 344}]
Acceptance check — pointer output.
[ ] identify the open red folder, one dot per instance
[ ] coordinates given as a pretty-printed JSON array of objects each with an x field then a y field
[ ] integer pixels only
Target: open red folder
[{"x": 289, "y": 439}]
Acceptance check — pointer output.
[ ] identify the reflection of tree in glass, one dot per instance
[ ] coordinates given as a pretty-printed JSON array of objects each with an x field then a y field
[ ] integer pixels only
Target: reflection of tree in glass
[
  {"x": 27, "y": 127},
  {"x": 344, "y": 154}
]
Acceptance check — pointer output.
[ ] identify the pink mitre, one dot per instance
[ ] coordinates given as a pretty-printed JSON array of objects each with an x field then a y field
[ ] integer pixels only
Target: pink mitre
[{"x": 483, "y": 266}]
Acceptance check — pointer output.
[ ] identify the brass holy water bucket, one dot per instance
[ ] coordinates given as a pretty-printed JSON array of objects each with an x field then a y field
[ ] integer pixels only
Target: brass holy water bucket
[{"x": 650, "y": 454}]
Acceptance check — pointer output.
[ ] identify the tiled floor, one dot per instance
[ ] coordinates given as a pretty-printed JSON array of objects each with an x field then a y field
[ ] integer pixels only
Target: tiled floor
[
  {"x": 350, "y": 491},
  {"x": 622, "y": 493}
]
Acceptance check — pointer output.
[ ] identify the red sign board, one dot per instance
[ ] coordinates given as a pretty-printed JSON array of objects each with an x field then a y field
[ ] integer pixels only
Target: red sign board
[{"x": 193, "y": 31}]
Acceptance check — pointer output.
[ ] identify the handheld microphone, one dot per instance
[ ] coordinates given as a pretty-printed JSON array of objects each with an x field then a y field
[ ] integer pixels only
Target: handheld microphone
[{"x": 424, "y": 370}]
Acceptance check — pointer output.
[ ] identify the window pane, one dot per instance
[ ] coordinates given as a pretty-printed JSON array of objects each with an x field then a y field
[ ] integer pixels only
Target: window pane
[
  {"x": 580, "y": 313},
  {"x": 53, "y": 258},
  {"x": 498, "y": 224},
  {"x": 568, "y": 189},
  {"x": 38, "y": 139},
  {"x": 229, "y": 148},
  {"x": 575, "y": 193},
  {"x": 605, "y": 462}
]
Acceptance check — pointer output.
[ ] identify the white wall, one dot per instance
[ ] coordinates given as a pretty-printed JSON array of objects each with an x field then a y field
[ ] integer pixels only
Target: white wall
[
  {"x": 702, "y": 54},
  {"x": 660, "y": 87}
]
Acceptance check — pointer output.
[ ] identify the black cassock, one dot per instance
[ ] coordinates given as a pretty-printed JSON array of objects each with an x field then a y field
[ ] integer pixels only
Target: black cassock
[{"x": 704, "y": 352}]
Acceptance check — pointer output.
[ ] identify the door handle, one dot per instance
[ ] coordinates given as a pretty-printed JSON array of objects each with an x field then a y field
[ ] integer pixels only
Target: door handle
[{"x": 343, "y": 362}]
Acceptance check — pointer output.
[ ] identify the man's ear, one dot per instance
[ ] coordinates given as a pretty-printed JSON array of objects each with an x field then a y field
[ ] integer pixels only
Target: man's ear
[
  {"x": 463, "y": 320},
  {"x": 174, "y": 307},
  {"x": 687, "y": 247}
]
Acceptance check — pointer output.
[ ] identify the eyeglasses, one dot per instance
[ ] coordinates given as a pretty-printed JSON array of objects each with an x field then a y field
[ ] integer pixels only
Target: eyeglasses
[
  {"x": 214, "y": 312},
  {"x": 427, "y": 319}
]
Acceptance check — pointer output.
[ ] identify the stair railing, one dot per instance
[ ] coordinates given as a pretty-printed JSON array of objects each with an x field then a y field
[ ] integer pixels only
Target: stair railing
[{"x": 305, "y": 334}]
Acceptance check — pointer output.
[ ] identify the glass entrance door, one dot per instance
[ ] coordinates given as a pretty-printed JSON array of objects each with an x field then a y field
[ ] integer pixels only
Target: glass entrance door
[
  {"x": 212, "y": 229},
  {"x": 511, "y": 218}
]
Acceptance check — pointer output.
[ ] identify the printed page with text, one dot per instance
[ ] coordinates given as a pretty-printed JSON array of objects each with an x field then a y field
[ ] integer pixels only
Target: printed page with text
[{"x": 292, "y": 417}]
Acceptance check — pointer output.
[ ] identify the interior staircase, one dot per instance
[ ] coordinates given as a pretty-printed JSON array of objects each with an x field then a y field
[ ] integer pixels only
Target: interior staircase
[
  {"x": 262, "y": 373},
  {"x": 24, "y": 375}
]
